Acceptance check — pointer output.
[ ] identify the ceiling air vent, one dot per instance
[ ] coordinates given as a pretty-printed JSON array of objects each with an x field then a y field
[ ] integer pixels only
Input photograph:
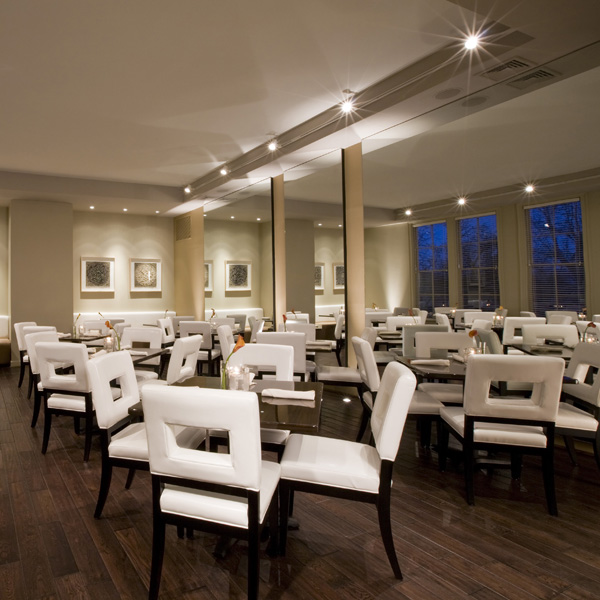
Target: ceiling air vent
[
  {"x": 183, "y": 228},
  {"x": 510, "y": 68},
  {"x": 533, "y": 78}
]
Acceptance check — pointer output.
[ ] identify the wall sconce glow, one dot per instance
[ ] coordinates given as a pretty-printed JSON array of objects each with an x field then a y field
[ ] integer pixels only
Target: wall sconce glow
[
  {"x": 347, "y": 106},
  {"x": 187, "y": 189},
  {"x": 472, "y": 42},
  {"x": 408, "y": 212},
  {"x": 157, "y": 211},
  {"x": 258, "y": 218},
  {"x": 92, "y": 207},
  {"x": 529, "y": 188},
  {"x": 232, "y": 217},
  {"x": 462, "y": 201},
  {"x": 224, "y": 171},
  {"x": 272, "y": 146},
  {"x": 339, "y": 225},
  {"x": 320, "y": 224},
  {"x": 124, "y": 210}
]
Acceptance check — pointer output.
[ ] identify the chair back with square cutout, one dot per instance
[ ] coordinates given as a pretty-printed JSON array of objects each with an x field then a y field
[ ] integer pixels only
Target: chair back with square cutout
[
  {"x": 226, "y": 340},
  {"x": 54, "y": 355},
  {"x": 31, "y": 339},
  {"x": 585, "y": 357},
  {"x": 428, "y": 344},
  {"x": 184, "y": 357},
  {"x": 367, "y": 365},
  {"x": 513, "y": 324},
  {"x": 20, "y": 335},
  {"x": 294, "y": 339},
  {"x": 168, "y": 331},
  {"x": 167, "y": 408},
  {"x": 143, "y": 336},
  {"x": 266, "y": 355},
  {"x": 538, "y": 334}
]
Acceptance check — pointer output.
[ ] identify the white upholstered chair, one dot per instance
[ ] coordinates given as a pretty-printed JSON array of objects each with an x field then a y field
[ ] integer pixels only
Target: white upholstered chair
[
  {"x": 538, "y": 334},
  {"x": 340, "y": 468},
  {"x": 123, "y": 443},
  {"x": 144, "y": 337},
  {"x": 479, "y": 315},
  {"x": 239, "y": 321},
  {"x": 516, "y": 425},
  {"x": 527, "y": 313},
  {"x": 573, "y": 315},
  {"x": 302, "y": 368},
  {"x": 168, "y": 331},
  {"x": 269, "y": 356},
  {"x": 177, "y": 321},
  {"x": 23, "y": 357},
  {"x": 65, "y": 394},
  {"x": 442, "y": 319},
  {"x": 369, "y": 374},
  {"x": 216, "y": 492},
  {"x": 512, "y": 334},
  {"x": 256, "y": 328},
  {"x": 226, "y": 340},
  {"x": 208, "y": 354}
]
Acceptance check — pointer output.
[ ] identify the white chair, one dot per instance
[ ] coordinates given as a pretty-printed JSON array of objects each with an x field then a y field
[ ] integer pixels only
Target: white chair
[
  {"x": 308, "y": 329},
  {"x": 299, "y": 317},
  {"x": 377, "y": 318},
  {"x": 96, "y": 326},
  {"x": 218, "y": 321},
  {"x": 559, "y": 320},
  {"x": 144, "y": 337},
  {"x": 422, "y": 316},
  {"x": 409, "y": 333},
  {"x": 538, "y": 334},
  {"x": 572, "y": 314},
  {"x": 33, "y": 334},
  {"x": 470, "y": 316},
  {"x": 527, "y": 313},
  {"x": 382, "y": 357},
  {"x": 239, "y": 321},
  {"x": 226, "y": 340},
  {"x": 511, "y": 333},
  {"x": 208, "y": 354},
  {"x": 340, "y": 468},
  {"x": 481, "y": 324},
  {"x": 439, "y": 345},
  {"x": 168, "y": 331},
  {"x": 266, "y": 356},
  {"x": 340, "y": 337},
  {"x": 23, "y": 358},
  {"x": 459, "y": 316},
  {"x": 443, "y": 310},
  {"x": 297, "y": 340},
  {"x": 177, "y": 321},
  {"x": 221, "y": 493},
  {"x": 579, "y": 413},
  {"x": 442, "y": 319},
  {"x": 519, "y": 426},
  {"x": 395, "y": 323},
  {"x": 123, "y": 443},
  {"x": 257, "y": 327},
  {"x": 65, "y": 394},
  {"x": 369, "y": 374},
  {"x": 120, "y": 327}
]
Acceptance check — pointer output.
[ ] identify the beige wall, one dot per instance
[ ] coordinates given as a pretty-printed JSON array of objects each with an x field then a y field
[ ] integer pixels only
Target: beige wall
[
  {"x": 41, "y": 259},
  {"x": 388, "y": 272},
  {"x": 329, "y": 249},
  {"x": 266, "y": 268},
  {"x": 122, "y": 237},
  {"x": 4, "y": 287},
  {"x": 300, "y": 266},
  {"x": 189, "y": 264}
]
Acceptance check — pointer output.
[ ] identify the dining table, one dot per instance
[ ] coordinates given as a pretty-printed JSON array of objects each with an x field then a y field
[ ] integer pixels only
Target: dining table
[
  {"x": 564, "y": 352},
  {"x": 435, "y": 368}
]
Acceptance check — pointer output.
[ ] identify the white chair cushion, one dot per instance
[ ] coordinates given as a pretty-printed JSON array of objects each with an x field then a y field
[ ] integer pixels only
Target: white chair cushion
[
  {"x": 274, "y": 436},
  {"x": 145, "y": 375},
  {"x": 494, "y": 433},
  {"x": 326, "y": 373},
  {"x": 447, "y": 393},
  {"x": 219, "y": 508},
  {"x": 142, "y": 385},
  {"x": 424, "y": 404},
  {"x": 65, "y": 402},
  {"x": 571, "y": 417},
  {"x": 331, "y": 461}
]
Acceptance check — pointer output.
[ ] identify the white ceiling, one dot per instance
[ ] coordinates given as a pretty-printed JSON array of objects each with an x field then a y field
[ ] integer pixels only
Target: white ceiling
[{"x": 160, "y": 95}]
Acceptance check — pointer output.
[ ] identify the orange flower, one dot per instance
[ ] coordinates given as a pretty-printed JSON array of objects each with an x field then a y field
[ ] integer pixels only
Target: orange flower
[
  {"x": 284, "y": 318},
  {"x": 591, "y": 324},
  {"x": 239, "y": 344},
  {"x": 473, "y": 333},
  {"x": 214, "y": 313}
]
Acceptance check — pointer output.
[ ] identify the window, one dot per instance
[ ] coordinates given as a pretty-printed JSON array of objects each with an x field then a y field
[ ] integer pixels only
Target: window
[
  {"x": 556, "y": 257},
  {"x": 432, "y": 266},
  {"x": 478, "y": 244}
]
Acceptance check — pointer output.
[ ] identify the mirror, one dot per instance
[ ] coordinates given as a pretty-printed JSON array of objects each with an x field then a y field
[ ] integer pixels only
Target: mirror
[
  {"x": 238, "y": 251},
  {"x": 315, "y": 238}
]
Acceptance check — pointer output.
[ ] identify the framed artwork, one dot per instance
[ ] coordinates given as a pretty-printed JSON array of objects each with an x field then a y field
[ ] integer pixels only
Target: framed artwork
[
  {"x": 339, "y": 276},
  {"x": 319, "y": 276},
  {"x": 238, "y": 276},
  {"x": 145, "y": 274},
  {"x": 208, "y": 275},
  {"x": 97, "y": 274}
]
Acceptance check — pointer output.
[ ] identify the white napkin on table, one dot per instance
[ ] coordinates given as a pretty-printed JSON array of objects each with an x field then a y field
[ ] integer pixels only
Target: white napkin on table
[
  {"x": 137, "y": 352},
  {"x": 438, "y": 362},
  {"x": 277, "y": 396}
]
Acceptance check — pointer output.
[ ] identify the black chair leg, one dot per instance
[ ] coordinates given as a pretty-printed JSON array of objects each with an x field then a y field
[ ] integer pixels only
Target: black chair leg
[
  {"x": 37, "y": 403},
  {"x": 385, "y": 526},
  {"x": 284, "y": 510},
  {"x": 469, "y": 466},
  {"x": 364, "y": 421},
  {"x": 47, "y": 425},
  {"x": 77, "y": 425},
  {"x": 30, "y": 384},
  {"x": 105, "y": 480},
  {"x": 570, "y": 446},
  {"x": 130, "y": 476},
  {"x": 516, "y": 465},
  {"x": 158, "y": 549},
  {"x": 89, "y": 425},
  {"x": 21, "y": 373}
]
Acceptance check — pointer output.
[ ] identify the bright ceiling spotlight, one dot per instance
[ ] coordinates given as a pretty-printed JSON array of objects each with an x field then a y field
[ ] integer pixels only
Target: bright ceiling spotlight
[
  {"x": 92, "y": 207},
  {"x": 529, "y": 188},
  {"x": 258, "y": 218},
  {"x": 157, "y": 211},
  {"x": 408, "y": 212},
  {"x": 124, "y": 210},
  {"x": 347, "y": 106},
  {"x": 320, "y": 224},
  {"x": 272, "y": 146},
  {"x": 462, "y": 201},
  {"x": 472, "y": 42},
  {"x": 224, "y": 171},
  {"x": 347, "y": 400},
  {"x": 187, "y": 189},
  {"x": 232, "y": 217}
]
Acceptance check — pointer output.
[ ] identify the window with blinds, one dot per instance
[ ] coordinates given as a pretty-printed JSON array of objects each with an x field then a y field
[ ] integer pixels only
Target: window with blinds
[
  {"x": 478, "y": 247},
  {"x": 432, "y": 265},
  {"x": 556, "y": 257}
]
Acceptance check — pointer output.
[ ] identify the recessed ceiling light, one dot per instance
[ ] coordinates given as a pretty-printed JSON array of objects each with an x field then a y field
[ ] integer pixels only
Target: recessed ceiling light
[
  {"x": 320, "y": 224},
  {"x": 232, "y": 217},
  {"x": 346, "y": 400},
  {"x": 124, "y": 210},
  {"x": 92, "y": 207},
  {"x": 529, "y": 188},
  {"x": 462, "y": 201},
  {"x": 157, "y": 211},
  {"x": 472, "y": 42},
  {"x": 224, "y": 171},
  {"x": 408, "y": 212},
  {"x": 272, "y": 145},
  {"x": 339, "y": 225},
  {"x": 258, "y": 218},
  {"x": 187, "y": 189}
]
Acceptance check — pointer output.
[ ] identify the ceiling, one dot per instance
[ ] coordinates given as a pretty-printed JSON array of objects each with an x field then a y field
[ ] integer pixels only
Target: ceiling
[{"x": 123, "y": 104}]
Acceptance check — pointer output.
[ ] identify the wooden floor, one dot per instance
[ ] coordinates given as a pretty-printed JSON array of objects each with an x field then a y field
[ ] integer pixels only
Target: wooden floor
[{"x": 507, "y": 546}]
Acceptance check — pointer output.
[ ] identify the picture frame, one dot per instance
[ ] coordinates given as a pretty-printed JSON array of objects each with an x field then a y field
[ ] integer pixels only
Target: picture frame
[
  {"x": 319, "y": 277},
  {"x": 97, "y": 274},
  {"x": 208, "y": 275},
  {"x": 145, "y": 274},
  {"x": 339, "y": 276},
  {"x": 238, "y": 276}
]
